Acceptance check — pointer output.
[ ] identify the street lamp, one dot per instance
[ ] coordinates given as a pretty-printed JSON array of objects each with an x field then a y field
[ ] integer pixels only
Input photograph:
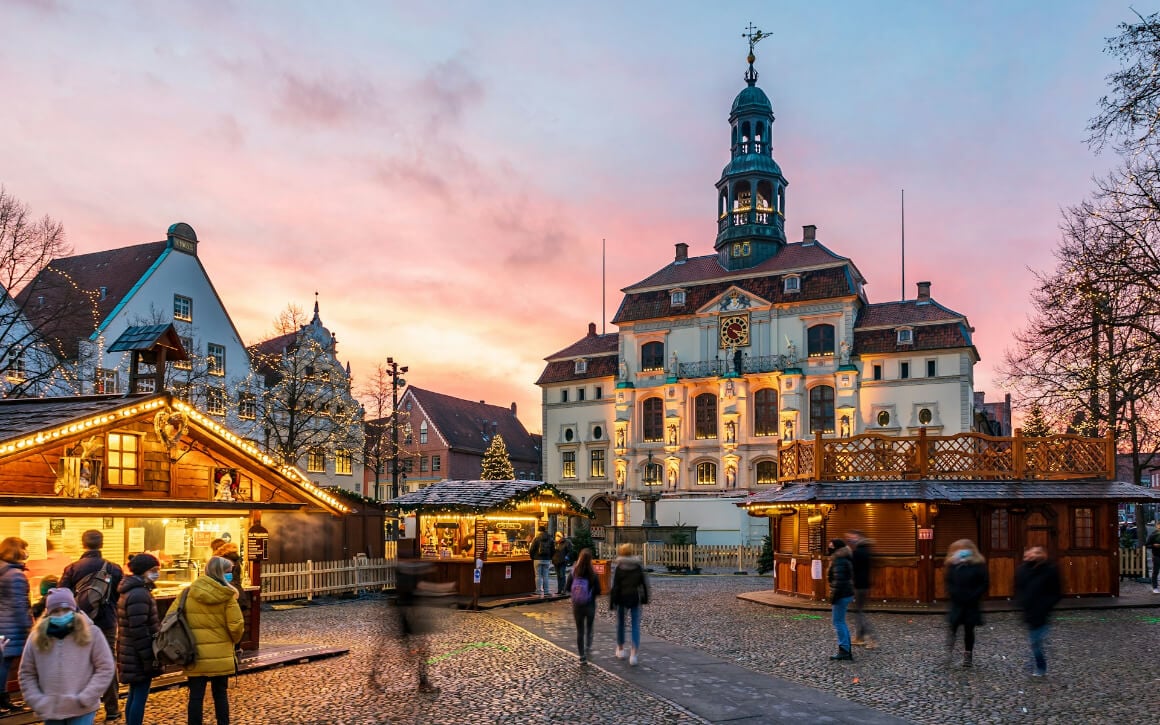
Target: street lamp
[
  {"x": 651, "y": 494},
  {"x": 394, "y": 371}
]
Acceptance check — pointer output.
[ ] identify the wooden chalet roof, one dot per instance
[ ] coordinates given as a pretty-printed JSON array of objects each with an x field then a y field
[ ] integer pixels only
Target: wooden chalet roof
[
  {"x": 466, "y": 425},
  {"x": 145, "y": 337},
  {"x": 950, "y": 492},
  {"x": 480, "y": 496},
  {"x": 27, "y": 416}
]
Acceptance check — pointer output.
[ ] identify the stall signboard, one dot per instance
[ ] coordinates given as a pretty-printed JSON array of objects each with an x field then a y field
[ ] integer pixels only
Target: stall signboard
[
  {"x": 480, "y": 539},
  {"x": 507, "y": 571},
  {"x": 476, "y": 575},
  {"x": 926, "y": 533},
  {"x": 257, "y": 541}
]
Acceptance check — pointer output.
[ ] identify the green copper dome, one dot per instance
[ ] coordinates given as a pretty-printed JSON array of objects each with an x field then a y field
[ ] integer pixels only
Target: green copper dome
[{"x": 751, "y": 100}]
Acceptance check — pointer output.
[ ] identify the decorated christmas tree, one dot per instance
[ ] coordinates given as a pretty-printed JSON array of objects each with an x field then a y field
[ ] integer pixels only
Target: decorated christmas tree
[
  {"x": 496, "y": 464},
  {"x": 765, "y": 558},
  {"x": 1035, "y": 425}
]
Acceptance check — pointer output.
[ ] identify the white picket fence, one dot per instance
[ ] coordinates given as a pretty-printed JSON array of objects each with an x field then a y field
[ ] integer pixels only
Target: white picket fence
[
  {"x": 309, "y": 579},
  {"x": 691, "y": 556},
  {"x": 1134, "y": 563}
]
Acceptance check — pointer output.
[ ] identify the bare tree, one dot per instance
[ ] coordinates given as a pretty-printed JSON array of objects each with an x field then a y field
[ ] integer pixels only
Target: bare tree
[
  {"x": 381, "y": 452},
  {"x": 1130, "y": 111}
]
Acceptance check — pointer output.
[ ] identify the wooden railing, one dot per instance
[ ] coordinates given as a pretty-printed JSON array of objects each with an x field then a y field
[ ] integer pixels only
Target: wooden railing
[
  {"x": 964, "y": 456},
  {"x": 738, "y": 557}
]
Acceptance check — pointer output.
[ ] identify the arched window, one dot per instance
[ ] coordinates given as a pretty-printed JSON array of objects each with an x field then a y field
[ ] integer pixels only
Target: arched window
[
  {"x": 766, "y": 472},
  {"x": 423, "y": 432},
  {"x": 745, "y": 138},
  {"x": 742, "y": 196},
  {"x": 822, "y": 409},
  {"x": 820, "y": 340},
  {"x": 706, "y": 473},
  {"x": 765, "y": 412},
  {"x": 653, "y": 419},
  {"x": 652, "y": 356},
  {"x": 705, "y": 415}
]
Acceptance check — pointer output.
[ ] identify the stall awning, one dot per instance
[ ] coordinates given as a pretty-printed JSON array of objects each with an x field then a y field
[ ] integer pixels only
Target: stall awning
[
  {"x": 951, "y": 492},
  {"x": 480, "y": 496}
]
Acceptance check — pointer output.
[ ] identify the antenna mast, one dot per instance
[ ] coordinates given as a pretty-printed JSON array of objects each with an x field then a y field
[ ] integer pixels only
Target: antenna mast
[
  {"x": 903, "y": 297},
  {"x": 603, "y": 286}
]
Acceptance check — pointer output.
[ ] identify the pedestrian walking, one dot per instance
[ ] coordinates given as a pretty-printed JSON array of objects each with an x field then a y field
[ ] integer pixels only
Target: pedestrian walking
[
  {"x": 215, "y": 621},
  {"x": 1038, "y": 589},
  {"x": 66, "y": 665},
  {"x": 861, "y": 549},
  {"x": 967, "y": 581},
  {"x": 1152, "y": 544},
  {"x": 93, "y": 580},
  {"x": 137, "y": 625},
  {"x": 583, "y": 586},
  {"x": 629, "y": 592},
  {"x": 841, "y": 578},
  {"x": 15, "y": 614},
  {"x": 414, "y": 621},
  {"x": 541, "y": 553},
  {"x": 561, "y": 558}
]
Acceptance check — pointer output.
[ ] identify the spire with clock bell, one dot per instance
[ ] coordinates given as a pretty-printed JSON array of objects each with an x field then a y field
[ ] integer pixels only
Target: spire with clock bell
[{"x": 751, "y": 191}]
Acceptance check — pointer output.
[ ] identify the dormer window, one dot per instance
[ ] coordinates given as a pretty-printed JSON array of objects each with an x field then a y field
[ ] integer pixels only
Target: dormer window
[
  {"x": 581, "y": 367},
  {"x": 793, "y": 283},
  {"x": 905, "y": 336},
  {"x": 677, "y": 297}
]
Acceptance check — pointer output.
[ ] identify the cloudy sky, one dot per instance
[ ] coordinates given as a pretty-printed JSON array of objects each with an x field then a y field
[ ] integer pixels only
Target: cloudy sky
[{"x": 442, "y": 174}]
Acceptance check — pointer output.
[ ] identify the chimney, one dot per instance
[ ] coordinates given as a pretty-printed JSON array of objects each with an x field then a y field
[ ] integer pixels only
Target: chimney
[
  {"x": 591, "y": 329},
  {"x": 483, "y": 402},
  {"x": 809, "y": 234},
  {"x": 513, "y": 408},
  {"x": 682, "y": 253},
  {"x": 924, "y": 293}
]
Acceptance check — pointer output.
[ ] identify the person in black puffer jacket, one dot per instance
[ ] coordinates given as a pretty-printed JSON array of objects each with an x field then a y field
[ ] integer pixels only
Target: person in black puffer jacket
[
  {"x": 15, "y": 613},
  {"x": 967, "y": 582},
  {"x": 841, "y": 578},
  {"x": 138, "y": 624},
  {"x": 628, "y": 592},
  {"x": 1038, "y": 588}
]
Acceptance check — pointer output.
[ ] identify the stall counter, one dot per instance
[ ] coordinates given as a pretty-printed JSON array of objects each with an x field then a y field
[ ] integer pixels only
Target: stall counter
[{"x": 500, "y": 577}]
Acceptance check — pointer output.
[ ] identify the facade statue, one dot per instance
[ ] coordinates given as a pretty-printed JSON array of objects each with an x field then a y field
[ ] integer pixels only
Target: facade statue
[{"x": 844, "y": 353}]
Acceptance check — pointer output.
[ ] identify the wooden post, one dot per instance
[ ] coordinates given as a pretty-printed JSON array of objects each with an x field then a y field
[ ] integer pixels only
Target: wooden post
[
  {"x": 817, "y": 455},
  {"x": 1110, "y": 453},
  {"x": 923, "y": 454},
  {"x": 309, "y": 580},
  {"x": 740, "y": 552},
  {"x": 1019, "y": 455}
]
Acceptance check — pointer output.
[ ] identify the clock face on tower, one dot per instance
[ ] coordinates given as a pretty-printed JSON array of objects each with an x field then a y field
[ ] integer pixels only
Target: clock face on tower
[{"x": 734, "y": 331}]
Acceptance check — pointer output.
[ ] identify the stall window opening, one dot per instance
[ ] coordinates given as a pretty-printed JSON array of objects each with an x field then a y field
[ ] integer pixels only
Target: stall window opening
[{"x": 124, "y": 459}]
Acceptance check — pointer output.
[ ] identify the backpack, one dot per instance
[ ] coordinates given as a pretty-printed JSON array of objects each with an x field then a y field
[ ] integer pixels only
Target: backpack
[
  {"x": 581, "y": 594},
  {"x": 174, "y": 643},
  {"x": 92, "y": 591}
]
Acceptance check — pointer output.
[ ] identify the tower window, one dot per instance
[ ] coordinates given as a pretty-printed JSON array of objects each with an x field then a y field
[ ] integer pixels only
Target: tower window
[
  {"x": 820, "y": 340},
  {"x": 652, "y": 356}
]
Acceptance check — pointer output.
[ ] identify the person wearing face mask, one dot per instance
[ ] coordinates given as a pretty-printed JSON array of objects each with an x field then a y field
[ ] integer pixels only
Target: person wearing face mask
[
  {"x": 66, "y": 665},
  {"x": 967, "y": 581},
  {"x": 215, "y": 620},
  {"x": 15, "y": 614},
  {"x": 137, "y": 625}
]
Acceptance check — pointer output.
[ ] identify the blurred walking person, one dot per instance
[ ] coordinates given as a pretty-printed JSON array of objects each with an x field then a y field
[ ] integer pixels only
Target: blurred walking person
[
  {"x": 137, "y": 625},
  {"x": 1038, "y": 589},
  {"x": 841, "y": 578},
  {"x": 967, "y": 582},
  {"x": 215, "y": 620},
  {"x": 629, "y": 592},
  {"x": 583, "y": 586},
  {"x": 561, "y": 558},
  {"x": 15, "y": 612},
  {"x": 860, "y": 552},
  {"x": 541, "y": 552},
  {"x": 414, "y": 624},
  {"x": 67, "y": 665}
]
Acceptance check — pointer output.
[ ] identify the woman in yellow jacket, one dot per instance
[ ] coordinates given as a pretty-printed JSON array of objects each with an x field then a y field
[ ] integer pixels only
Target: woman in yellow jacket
[{"x": 215, "y": 619}]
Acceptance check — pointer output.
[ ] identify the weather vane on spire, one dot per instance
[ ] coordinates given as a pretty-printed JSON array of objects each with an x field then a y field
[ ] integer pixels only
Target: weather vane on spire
[{"x": 754, "y": 36}]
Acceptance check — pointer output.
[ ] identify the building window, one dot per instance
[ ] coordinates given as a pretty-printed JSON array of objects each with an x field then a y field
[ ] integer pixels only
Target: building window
[
  {"x": 215, "y": 401},
  {"x": 1083, "y": 528},
  {"x": 123, "y": 454},
  {"x": 16, "y": 372},
  {"x": 597, "y": 468},
  {"x": 436, "y": 463},
  {"x": 422, "y": 464},
  {"x": 931, "y": 368},
  {"x": 652, "y": 356},
  {"x": 564, "y": 395},
  {"x": 579, "y": 394},
  {"x": 766, "y": 472},
  {"x": 877, "y": 372},
  {"x": 653, "y": 414},
  {"x": 106, "y": 381},
  {"x": 597, "y": 393},
  {"x": 793, "y": 283},
  {"x": 597, "y": 433},
  {"x": 705, "y": 415},
  {"x": 820, "y": 340},
  {"x": 765, "y": 412},
  {"x": 568, "y": 464},
  {"x": 342, "y": 463},
  {"x": 822, "y": 409},
  {"x": 904, "y": 370},
  {"x": 581, "y": 367},
  {"x": 408, "y": 465},
  {"x": 316, "y": 462},
  {"x": 905, "y": 336},
  {"x": 1000, "y": 530},
  {"x": 883, "y": 418},
  {"x": 247, "y": 406},
  {"x": 677, "y": 298},
  {"x": 215, "y": 360},
  {"x": 652, "y": 475},
  {"x": 925, "y": 416},
  {"x": 569, "y": 435},
  {"x": 423, "y": 432},
  {"x": 182, "y": 308},
  {"x": 706, "y": 474},
  {"x": 187, "y": 343}
]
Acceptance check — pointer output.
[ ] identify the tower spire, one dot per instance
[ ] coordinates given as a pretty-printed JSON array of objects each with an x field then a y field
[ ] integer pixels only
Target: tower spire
[
  {"x": 754, "y": 36},
  {"x": 317, "y": 319}
]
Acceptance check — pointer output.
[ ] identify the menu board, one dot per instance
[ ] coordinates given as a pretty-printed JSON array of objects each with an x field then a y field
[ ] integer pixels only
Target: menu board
[
  {"x": 175, "y": 541},
  {"x": 36, "y": 534},
  {"x": 136, "y": 539},
  {"x": 481, "y": 538}
]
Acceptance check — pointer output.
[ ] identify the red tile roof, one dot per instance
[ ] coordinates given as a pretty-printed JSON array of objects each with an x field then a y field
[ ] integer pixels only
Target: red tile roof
[
  {"x": 884, "y": 314},
  {"x": 704, "y": 269},
  {"x": 589, "y": 345},
  {"x": 466, "y": 425},
  {"x": 926, "y": 337},
  {"x": 560, "y": 371},
  {"x": 71, "y": 282}
]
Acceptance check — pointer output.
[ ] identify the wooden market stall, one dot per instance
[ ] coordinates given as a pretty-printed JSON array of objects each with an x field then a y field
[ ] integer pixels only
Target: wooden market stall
[
  {"x": 456, "y": 523},
  {"x": 153, "y": 475},
  {"x": 915, "y": 495}
]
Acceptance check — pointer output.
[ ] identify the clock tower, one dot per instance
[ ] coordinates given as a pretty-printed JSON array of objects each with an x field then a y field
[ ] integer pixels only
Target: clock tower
[{"x": 751, "y": 191}]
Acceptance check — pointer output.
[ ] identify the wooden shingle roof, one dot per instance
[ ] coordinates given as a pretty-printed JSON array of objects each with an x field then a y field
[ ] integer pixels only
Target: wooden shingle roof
[{"x": 480, "y": 496}]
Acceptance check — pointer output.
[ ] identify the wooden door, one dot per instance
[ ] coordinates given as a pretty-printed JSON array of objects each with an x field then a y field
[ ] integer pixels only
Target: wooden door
[{"x": 1038, "y": 530}]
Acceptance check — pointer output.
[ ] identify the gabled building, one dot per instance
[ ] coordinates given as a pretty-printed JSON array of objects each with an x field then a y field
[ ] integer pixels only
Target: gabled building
[
  {"x": 722, "y": 358},
  {"x": 442, "y": 437},
  {"x": 29, "y": 368},
  {"x": 143, "y": 284}
]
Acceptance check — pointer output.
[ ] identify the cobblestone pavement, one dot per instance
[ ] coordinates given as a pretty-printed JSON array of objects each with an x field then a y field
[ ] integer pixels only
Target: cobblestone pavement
[{"x": 489, "y": 671}]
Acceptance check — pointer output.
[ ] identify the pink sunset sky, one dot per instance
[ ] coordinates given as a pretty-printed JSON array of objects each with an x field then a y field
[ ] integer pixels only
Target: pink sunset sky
[{"x": 443, "y": 174}]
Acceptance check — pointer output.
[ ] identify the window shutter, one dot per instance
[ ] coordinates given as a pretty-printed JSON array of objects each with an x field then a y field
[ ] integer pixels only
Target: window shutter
[
  {"x": 954, "y": 523},
  {"x": 887, "y": 524}
]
